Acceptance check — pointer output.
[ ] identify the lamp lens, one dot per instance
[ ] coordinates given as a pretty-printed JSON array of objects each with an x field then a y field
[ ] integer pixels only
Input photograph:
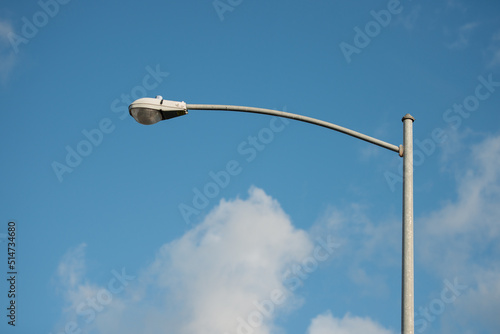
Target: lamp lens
[{"x": 146, "y": 116}]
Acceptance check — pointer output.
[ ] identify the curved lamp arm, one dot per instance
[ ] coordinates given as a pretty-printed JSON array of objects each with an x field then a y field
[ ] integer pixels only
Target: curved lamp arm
[
  {"x": 149, "y": 111},
  {"x": 298, "y": 118}
]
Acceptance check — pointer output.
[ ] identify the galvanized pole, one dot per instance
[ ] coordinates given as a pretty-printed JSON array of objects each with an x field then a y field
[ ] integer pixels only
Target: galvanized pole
[{"x": 407, "y": 293}]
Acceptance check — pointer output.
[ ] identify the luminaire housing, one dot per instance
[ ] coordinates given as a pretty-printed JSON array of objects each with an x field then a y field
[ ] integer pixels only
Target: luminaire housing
[{"x": 149, "y": 111}]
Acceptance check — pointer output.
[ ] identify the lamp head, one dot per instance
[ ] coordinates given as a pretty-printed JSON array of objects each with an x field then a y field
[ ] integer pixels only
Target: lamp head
[{"x": 150, "y": 111}]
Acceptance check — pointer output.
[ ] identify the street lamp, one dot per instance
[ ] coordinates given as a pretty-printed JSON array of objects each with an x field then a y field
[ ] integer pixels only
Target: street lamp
[{"x": 149, "y": 111}]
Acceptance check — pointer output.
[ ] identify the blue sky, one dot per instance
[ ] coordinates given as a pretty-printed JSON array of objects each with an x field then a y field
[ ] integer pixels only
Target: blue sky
[{"x": 220, "y": 222}]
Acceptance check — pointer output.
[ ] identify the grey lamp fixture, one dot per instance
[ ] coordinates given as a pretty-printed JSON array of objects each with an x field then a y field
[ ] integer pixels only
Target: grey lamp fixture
[{"x": 149, "y": 111}]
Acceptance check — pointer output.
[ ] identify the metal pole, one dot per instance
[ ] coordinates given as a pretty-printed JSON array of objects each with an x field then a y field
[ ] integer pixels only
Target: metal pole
[{"x": 407, "y": 293}]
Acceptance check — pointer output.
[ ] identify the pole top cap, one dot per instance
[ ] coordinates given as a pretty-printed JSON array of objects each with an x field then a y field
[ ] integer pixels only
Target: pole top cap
[{"x": 408, "y": 116}]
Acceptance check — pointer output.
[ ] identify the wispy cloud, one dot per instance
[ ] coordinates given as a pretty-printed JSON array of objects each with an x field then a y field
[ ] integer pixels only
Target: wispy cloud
[
  {"x": 7, "y": 55},
  {"x": 462, "y": 36},
  {"x": 71, "y": 283},
  {"x": 493, "y": 51},
  {"x": 364, "y": 241},
  {"x": 456, "y": 5},
  {"x": 71, "y": 269},
  {"x": 409, "y": 20}
]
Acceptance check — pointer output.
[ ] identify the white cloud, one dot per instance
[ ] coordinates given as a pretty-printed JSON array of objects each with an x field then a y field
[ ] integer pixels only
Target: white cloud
[
  {"x": 327, "y": 324},
  {"x": 474, "y": 212},
  {"x": 218, "y": 277},
  {"x": 462, "y": 238}
]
